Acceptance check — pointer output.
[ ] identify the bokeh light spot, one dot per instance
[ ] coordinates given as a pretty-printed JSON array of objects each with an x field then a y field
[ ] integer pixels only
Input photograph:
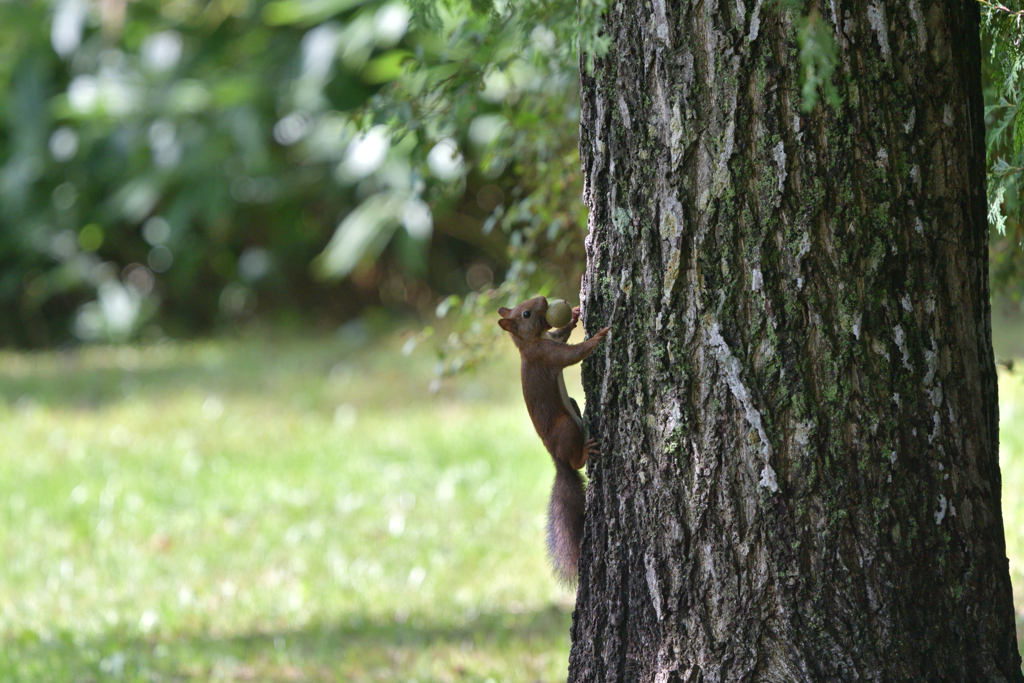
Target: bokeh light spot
[{"x": 90, "y": 237}]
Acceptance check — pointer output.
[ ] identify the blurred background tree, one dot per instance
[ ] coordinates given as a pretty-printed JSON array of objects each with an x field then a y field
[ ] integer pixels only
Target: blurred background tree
[
  {"x": 174, "y": 166},
  {"x": 177, "y": 166}
]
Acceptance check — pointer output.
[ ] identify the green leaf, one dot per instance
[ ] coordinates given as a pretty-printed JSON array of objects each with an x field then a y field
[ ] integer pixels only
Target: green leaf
[
  {"x": 387, "y": 67},
  {"x": 996, "y": 218},
  {"x": 1018, "y": 130},
  {"x": 818, "y": 57},
  {"x": 305, "y": 12}
]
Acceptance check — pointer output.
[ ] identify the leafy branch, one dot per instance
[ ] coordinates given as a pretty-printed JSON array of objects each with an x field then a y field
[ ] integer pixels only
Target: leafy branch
[{"x": 997, "y": 7}]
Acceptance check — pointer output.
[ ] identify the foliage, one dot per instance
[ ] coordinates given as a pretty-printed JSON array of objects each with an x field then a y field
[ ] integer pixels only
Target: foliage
[
  {"x": 1003, "y": 74},
  {"x": 818, "y": 58},
  {"x": 179, "y": 159},
  {"x": 161, "y": 153},
  {"x": 818, "y": 52},
  {"x": 511, "y": 73}
]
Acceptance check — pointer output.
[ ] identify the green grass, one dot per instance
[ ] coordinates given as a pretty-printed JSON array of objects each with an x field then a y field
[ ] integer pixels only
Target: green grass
[
  {"x": 283, "y": 510},
  {"x": 291, "y": 510}
]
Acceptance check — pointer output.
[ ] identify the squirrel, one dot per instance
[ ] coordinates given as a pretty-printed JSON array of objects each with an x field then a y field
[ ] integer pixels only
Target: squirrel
[{"x": 557, "y": 419}]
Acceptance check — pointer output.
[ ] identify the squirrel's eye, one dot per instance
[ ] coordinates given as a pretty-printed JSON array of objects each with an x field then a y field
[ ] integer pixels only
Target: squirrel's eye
[{"x": 526, "y": 314}]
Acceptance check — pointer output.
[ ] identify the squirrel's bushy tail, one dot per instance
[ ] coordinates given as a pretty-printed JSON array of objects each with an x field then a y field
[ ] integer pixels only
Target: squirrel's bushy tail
[{"x": 565, "y": 521}]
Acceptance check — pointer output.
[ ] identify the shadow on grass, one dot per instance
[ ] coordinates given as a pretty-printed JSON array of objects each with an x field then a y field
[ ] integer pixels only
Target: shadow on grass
[
  {"x": 358, "y": 650},
  {"x": 314, "y": 368},
  {"x": 94, "y": 377},
  {"x": 89, "y": 389},
  {"x": 91, "y": 379}
]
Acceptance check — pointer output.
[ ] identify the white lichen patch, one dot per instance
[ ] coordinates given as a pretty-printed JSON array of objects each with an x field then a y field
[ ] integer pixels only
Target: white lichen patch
[
  {"x": 756, "y": 280},
  {"x": 732, "y": 368},
  {"x": 805, "y": 245},
  {"x": 755, "y": 22},
  {"x": 892, "y": 458},
  {"x": 922, "y": 31},
  {"x": 878, "y": 348},
  {"x": 802, "y": 434},
  {"x": 671, "y": 273},
  {"x": 931, "y": 364},
  {"x": 672, "y": 417},
  {"x": 876, "y": 17},
  {"x": 669, "y": 224},
  {"x": 676, "y": 131},
  {"x": 905, "y": 303},
  {"x": 627, "y": 120},
  {"x": 620, "y": 219},
  {"x": 652, "y": 582},
  {"x": 936, "y": 427},
  {"x": 805, "y": 248},
  {"x": 909, "y": 125},
  {"x": 704, "y": 199},
  {"x": 915, "y": 176},
  {"x": 722, "y": 176},
  {"x": 901, "y": 342},
  {"x": 779, "y": 154},
  {"x": 941, "y": 514},
  {"x": 918, "y": 224},
  {"x": 856, "y": 326},
  {"x": 947, "y": 115},
  {"x": 660, "y": 21},
  {"x": 883, "y": 156}
]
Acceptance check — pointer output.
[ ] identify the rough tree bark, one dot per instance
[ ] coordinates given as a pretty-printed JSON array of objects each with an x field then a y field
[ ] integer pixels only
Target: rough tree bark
[{"x": 797, "y": 401}]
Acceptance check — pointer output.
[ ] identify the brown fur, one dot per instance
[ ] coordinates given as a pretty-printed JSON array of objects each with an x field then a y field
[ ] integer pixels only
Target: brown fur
[{"x": 543, "y": 354}]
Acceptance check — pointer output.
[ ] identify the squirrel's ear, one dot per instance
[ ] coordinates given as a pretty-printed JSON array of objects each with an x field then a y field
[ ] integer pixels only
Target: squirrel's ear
[
  {"x": 504, "y": 312},
  {"x": 506, "y": 324}
]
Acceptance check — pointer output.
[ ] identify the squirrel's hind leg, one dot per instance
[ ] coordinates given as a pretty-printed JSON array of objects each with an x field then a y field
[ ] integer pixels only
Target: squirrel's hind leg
[{"x": 566, "y": 443}]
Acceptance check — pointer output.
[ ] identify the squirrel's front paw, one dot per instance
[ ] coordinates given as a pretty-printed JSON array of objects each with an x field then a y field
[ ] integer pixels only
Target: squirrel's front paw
[{"x": 591, "y": 448}]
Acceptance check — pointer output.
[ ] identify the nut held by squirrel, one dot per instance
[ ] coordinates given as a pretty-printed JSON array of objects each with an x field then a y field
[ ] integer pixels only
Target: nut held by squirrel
[
  {"x": 543, "y": 353},
  {"x": 559, "y": 314}
]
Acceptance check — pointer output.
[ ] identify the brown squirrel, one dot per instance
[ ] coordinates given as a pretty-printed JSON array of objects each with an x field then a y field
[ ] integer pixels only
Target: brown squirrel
[{"x": 557, "y": 419}]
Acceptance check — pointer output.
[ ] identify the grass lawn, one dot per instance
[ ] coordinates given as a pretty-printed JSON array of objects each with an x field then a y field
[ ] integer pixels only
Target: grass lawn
[{"x": 289, "y": 510}]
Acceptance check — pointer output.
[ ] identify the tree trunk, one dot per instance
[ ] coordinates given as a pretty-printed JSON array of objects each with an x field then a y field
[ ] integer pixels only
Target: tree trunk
[{"x": 797, "y": 401}]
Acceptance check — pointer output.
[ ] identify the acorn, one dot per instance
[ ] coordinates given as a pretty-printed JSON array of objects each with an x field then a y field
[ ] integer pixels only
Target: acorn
[{"x": 559, "y": 313}]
